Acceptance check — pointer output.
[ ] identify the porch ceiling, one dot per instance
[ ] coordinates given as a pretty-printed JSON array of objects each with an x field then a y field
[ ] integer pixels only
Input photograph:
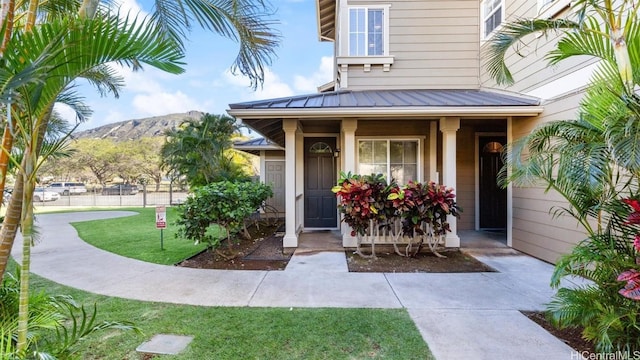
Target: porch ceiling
[{"x": 265, "y": 116}]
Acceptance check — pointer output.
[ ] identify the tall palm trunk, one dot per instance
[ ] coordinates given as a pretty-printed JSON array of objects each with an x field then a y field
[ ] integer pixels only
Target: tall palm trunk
[
  {"x": 11, "y": 224},
  {"x": 26, "y": 219},
  {"x": 8, "y": 13}
]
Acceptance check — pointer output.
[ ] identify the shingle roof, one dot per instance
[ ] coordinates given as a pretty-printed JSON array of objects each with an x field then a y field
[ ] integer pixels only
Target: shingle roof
[
  {"x": 392, "y": 98},
  {"x": 253, "y": 146}
]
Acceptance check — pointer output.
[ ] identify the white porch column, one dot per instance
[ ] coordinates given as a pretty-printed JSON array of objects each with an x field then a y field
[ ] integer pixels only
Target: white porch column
[
  {"x": 449, "y": 126},
  {"x": 349, "y": 127},
  {"x": 290, "y": 239}
]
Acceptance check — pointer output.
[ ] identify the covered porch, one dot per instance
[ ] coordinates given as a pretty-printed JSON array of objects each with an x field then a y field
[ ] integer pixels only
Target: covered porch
[{"x": 328, "y": 133}]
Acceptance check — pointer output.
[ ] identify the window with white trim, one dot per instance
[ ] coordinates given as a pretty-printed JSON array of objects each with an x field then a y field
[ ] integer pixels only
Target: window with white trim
[
  {"x": 395, "y": 159},
  {"x": 492, "y": 15},
  {"x": 366, "y": 31}
]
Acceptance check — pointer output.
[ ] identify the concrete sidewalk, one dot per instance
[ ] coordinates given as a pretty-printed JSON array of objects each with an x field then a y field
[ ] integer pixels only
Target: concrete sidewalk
[{"x": 460, "y": 316}]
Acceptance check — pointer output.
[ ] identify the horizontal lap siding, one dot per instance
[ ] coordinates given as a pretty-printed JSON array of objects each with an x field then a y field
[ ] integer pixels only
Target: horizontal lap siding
[
  {"x": 535, "y": 230},
  {"x": 434, "y": 45},
  {"x": 528, "y": 65}
]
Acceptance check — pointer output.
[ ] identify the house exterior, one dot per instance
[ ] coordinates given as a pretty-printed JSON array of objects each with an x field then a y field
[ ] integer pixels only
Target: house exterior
[{"x": 411, "y": 99}]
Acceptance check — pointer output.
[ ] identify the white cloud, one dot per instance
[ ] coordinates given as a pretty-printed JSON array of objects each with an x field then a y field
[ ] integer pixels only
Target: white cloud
[
  {"x": 273, "y": 86},
  {"x": 130, "y": 6},
  {"x": 162, "y": 103},
  {"x": 321, "y": 76}
]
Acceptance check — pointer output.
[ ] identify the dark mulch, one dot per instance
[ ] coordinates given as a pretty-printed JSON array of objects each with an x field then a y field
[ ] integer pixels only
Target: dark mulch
[
  {"x": 425, "y": 261},
  {"x": 570, "y": 336}
]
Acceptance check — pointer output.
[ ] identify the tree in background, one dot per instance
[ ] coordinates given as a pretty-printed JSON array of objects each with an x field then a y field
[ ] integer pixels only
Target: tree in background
[{"x": 200, "y": 150}]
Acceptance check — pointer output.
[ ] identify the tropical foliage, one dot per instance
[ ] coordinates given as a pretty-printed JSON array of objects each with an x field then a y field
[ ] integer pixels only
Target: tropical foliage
[
  {"x": 593, "y": 162},
  {"x": 201, "y": 151},
  {"x": 225, "y": 203},
  {"x": 57, "y": 323},
  {"x": 371, "y": 207}
]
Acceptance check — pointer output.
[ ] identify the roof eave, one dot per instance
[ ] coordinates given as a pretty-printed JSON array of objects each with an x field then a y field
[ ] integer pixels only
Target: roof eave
[{"x": 377, "y": 112}]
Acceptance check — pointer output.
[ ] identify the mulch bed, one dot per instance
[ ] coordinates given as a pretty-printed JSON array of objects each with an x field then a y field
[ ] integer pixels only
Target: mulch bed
[
  {"x": 570, "y": 336},
  {"x": 424, "y": 262}
]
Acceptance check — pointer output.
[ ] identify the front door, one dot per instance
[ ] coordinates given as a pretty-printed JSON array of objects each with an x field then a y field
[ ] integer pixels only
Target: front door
[
  {"x": 493, "y": 198},
  {"x": 320, "y": 209}
]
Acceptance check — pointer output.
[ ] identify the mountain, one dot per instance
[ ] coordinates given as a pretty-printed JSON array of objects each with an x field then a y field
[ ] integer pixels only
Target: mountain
[{"x": 138, "y": 128}]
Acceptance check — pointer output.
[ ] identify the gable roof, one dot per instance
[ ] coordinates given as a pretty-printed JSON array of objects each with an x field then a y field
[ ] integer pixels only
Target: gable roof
[{"x": 265, "y": 116}]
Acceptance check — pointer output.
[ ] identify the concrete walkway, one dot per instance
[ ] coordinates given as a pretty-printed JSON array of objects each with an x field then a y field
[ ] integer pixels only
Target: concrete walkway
[{"x": 460, "y": 316}]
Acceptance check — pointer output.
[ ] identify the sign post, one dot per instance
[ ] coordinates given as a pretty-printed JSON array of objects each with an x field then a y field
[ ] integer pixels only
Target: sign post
[{"x": 161, "y": 222}]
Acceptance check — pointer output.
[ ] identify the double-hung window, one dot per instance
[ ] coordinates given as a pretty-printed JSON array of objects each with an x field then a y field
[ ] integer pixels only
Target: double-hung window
[
  {"x": 395, "y": 159},
  {"x": 492, "y": 14},
  {"x": 366, "y": 31}
]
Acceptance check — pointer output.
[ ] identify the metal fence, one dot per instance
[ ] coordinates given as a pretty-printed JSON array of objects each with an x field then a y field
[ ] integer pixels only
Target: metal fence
[{"x": 148, "y": 195}]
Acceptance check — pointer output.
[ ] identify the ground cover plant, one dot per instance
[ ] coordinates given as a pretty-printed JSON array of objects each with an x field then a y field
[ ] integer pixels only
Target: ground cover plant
[
  {"x": 250, "y": 333},
  {"x": 138, "y": 238}
]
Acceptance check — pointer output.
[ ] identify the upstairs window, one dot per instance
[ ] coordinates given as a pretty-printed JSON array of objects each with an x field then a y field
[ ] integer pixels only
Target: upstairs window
[
  {"x": 366, "y": 31},
  {"x": 492, "y": 14}
]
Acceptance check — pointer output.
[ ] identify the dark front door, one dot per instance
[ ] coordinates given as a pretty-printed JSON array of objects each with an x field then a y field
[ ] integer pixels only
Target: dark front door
[
  {"x": 493, "y": 199},
  {"x": 319, "y": 177}
]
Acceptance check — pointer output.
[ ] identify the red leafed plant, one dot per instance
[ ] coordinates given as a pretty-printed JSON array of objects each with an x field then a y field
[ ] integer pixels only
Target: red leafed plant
[
  {"x": 361, "y": 199},
  {"x": 632, "y": 276}
]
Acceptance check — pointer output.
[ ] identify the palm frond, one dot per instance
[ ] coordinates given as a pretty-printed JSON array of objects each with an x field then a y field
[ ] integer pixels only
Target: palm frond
[{"x": 512, "y": 34}]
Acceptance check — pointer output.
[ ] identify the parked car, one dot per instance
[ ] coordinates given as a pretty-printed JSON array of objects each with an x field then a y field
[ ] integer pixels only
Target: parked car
[
  {"x": 42, "y": 194},
  {"x": 67, "y": 188},
  {"x": 123, "y": 189}
]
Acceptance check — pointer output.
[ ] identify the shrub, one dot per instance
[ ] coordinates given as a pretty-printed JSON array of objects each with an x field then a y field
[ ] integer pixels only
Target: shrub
[{"x": 227, "y": 204}]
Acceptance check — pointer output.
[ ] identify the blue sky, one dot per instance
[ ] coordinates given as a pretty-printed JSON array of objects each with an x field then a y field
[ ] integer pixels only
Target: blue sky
[{"x": 302, "y": 64}]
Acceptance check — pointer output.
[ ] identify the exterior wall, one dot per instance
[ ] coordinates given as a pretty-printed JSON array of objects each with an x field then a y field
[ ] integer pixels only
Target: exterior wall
[
  {"x": 434, "y": 45},
  {"x": 535, "y": 231},
  {"x": 529, "y": 68}
]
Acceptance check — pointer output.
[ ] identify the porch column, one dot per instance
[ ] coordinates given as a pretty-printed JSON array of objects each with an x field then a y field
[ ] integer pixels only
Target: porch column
[
  {"x": 449, "y": 126},
  {"x": 349, "y": 127},
  {"x": 290, "y": 239}
]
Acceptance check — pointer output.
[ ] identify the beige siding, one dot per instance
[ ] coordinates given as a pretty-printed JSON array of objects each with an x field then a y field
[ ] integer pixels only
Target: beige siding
[
  {"x": 535, "y": 230},
  {"x": 434, "y": 45},
  {"x": 528, "y": 66},
  {"x": 466, "y": 187}
]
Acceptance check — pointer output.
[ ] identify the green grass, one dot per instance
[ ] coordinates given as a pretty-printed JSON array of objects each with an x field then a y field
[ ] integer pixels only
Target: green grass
[
  {"x": 137, "y": 237},
  {"x": 250, "y": 333}
]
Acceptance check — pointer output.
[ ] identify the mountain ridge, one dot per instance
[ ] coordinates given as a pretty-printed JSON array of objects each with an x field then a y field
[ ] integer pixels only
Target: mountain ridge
[{"x": 135, "y": 129}]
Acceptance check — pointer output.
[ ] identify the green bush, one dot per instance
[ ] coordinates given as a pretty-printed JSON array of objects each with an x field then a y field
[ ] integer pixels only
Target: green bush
[{"x": 225, "y": 203}]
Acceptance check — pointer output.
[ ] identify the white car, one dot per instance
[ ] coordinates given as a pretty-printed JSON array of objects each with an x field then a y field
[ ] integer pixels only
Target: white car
[{"x": 41, "y": 195}]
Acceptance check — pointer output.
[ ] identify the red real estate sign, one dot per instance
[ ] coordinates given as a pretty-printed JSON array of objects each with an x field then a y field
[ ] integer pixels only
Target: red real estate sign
[{"x": 161, "y": 217}]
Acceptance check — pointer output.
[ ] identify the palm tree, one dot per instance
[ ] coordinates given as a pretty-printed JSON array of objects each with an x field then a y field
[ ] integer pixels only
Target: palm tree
[
  {"x": 37, "y": 71},
  {"x": 247, "y": 22},
  {"x": 593, "y": 162},
  {"x": 199, "y": 150}
]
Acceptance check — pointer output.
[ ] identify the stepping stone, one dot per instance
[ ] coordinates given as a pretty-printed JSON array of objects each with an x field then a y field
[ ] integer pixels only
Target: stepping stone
[{"x": 165, "y": 344}]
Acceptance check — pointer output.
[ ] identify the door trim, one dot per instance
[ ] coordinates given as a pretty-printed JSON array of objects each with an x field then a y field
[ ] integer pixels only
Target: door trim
[
  {"x": 337, "y": 168},
  {"x": 476, "y": 170}
]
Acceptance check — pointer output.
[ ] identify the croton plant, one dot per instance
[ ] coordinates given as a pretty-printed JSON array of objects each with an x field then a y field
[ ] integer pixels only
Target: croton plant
[
  {"x": 632, "y": 276},
  {"x": 362, "y": 198}
]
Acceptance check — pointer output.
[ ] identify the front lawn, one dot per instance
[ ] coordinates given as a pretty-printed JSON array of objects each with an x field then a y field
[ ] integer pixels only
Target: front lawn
[
  {"x": 137, "y": 237},
  {"x": 250, "y": 333}
]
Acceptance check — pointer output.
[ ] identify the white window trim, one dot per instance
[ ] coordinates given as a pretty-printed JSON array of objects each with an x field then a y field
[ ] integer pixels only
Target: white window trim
[
  {"x": 344, "y": 59},
  {"x": 483, "y": 18},
  {"x": 420, "y": 150},
  {"x": 552, "y": 8}
]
